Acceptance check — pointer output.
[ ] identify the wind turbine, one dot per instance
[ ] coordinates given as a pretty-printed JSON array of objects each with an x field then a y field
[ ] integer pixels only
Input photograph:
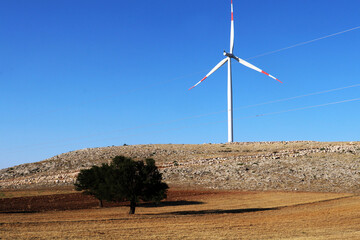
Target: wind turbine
[{"x": 228, "y": 58}]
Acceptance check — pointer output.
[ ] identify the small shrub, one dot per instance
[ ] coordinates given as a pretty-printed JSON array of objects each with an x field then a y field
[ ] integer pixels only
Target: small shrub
[{"x": 226, "y": 150}]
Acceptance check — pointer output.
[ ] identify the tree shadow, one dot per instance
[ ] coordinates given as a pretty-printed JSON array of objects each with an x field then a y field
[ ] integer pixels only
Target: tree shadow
[
  {"x": 169, "y": 203},
  {"x": 220, "y": 211}
]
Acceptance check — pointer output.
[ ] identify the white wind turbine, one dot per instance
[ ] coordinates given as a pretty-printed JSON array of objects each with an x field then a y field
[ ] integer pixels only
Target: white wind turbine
[{"x": 228, "y": 58}]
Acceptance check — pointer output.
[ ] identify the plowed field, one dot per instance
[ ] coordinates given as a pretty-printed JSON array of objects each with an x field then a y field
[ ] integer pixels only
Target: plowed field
[{"x": 187, "y": 215}]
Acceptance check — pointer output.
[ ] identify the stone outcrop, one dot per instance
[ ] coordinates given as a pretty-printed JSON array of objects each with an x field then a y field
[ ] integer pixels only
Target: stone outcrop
[{"x": 299, "y": 166}]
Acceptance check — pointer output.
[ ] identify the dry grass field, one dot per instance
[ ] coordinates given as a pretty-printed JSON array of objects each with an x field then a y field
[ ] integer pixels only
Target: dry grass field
[
  {"x": 34, "y": 192},
  {"x": 201, "y": 215},
  {"x": 279, "y": 190}
]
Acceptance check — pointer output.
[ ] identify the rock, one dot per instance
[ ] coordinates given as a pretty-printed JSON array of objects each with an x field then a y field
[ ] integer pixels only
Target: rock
[{"x": 305, "y": 166}]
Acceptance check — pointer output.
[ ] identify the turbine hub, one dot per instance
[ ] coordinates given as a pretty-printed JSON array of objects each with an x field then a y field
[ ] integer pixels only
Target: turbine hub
[{"x": 230, "y": 55}]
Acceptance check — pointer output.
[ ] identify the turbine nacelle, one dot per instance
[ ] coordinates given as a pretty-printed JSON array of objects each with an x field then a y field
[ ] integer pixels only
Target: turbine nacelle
[{"x": 230, "y": 55}]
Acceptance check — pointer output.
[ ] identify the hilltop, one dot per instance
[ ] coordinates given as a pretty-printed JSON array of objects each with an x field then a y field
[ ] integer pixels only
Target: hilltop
[{"x": 289, "y": 166}]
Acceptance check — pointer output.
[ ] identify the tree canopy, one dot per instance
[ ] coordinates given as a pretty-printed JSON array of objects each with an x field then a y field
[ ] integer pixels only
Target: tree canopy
[{"x": 123, "y": 180}]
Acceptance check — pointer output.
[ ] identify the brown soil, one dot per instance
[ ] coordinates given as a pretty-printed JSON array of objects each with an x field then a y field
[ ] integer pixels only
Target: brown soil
[
  {"x": 72, "y": 201},
  {"x": 190, "y": 214}
]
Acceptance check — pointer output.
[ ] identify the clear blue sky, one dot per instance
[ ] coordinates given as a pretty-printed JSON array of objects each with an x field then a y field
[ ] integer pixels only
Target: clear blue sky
[{"x": 78, "y": 74}]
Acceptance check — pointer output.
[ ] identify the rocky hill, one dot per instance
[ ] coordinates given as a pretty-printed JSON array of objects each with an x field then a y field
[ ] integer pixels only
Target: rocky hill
[{"x": 299, "y": 166}]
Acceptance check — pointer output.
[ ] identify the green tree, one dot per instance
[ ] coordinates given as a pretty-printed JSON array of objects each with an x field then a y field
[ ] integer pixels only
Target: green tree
[
  {"x": 94, "y": 182},
  {"x": 124, "y": 180}
]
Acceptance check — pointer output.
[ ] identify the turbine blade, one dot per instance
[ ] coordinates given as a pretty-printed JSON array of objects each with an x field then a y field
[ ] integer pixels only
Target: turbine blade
[
  {"x": 211, "y": 72},
  {"x": 249, "y": 65},
  {"x": 232, "y": 29}
]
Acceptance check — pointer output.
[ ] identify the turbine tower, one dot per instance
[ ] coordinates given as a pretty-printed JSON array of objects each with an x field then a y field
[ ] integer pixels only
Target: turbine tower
[{"x": 228, "y": 57}]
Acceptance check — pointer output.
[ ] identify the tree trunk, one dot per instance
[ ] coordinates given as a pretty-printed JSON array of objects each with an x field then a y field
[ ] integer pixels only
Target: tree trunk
[
  {"x": 132, "y": 207},
  {"x": 101, "y": 203}
]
